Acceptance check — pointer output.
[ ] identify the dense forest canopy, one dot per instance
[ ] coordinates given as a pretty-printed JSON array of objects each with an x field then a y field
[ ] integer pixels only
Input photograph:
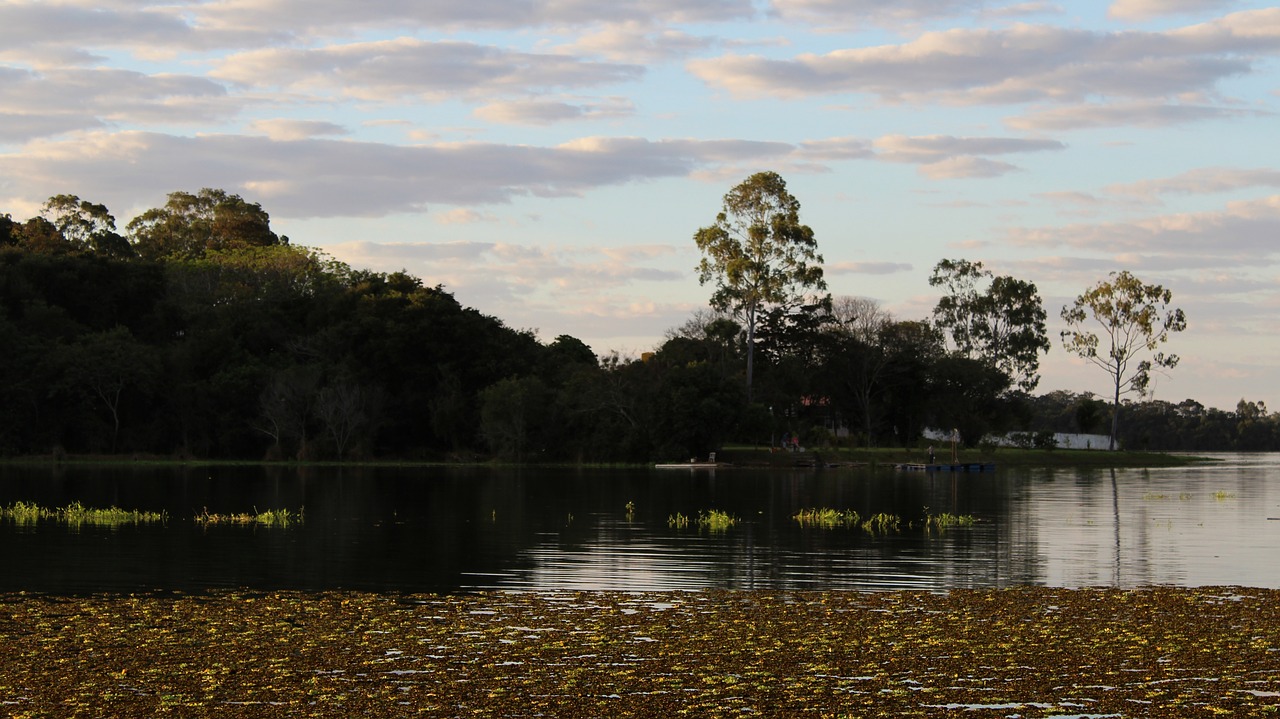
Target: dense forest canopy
[{"x": 199, "y": 332}]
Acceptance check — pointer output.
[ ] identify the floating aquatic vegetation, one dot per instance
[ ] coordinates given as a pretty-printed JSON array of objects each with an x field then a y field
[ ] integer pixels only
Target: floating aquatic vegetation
[
  {"x": 946, "y": 520},
  {"x": 827, "y": 518},
  {"x": 1033, "y": 652},
  {"x": 76, "y": 515},
  {"x": 713, "y": 521},
  {"x": 716, "y": 521},
  {"x": 882, "y": 523},
  {"x": 1222, "y": 496},
  {"x": 269, "y": 518}
]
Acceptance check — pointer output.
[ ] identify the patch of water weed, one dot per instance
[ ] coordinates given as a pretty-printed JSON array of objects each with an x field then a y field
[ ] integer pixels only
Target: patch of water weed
[
  {"x": 882, "y": 523},
  {"x": 827, "y": 518},
  {"x": 269, "y": 518},
  {"x": 1223, "y": 496},
  {"x": 946, "y": 520},
  {"x": 712, "y": 521},
  {"x": 77, "y": 515}
]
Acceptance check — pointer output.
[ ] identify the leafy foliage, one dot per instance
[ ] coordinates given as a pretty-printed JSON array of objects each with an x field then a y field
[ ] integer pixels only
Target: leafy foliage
[
  {"x": 1132, "y": 319},
  {"x": 760, "y": 257}
]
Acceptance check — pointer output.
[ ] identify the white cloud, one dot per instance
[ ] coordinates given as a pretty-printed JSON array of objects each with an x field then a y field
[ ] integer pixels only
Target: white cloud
[
  {"x": 638, "y": 42},
  {"x": 327, "y": 178},
  {"x": 326, "y": 16},
  {"x": 285, "y": 129},
  {"x": 547, "y": 111},
  {"x": 1147, "y": 9},
  {"x": 464, "y": 216},
  {"x": 1200, "y": 181},
  {"x": 866, "y": 268},
  {"x": 1242, "y": 234},
  {"x": 1022, "y": 63},
  {"x": 412, "y": 68},
  {"x": 1130, "y": 114},
  {"x": 853, "y": 13},
  {"x": 78, "y": 98}
]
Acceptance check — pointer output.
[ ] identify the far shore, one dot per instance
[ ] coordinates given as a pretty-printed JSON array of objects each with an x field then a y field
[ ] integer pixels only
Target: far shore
[{"x": 727, "y": 457}]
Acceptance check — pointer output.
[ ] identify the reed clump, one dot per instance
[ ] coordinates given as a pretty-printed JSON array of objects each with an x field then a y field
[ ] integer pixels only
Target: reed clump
[
  {"x": 946, "y": 520},
  {"x": 827, "y": 518},
  {"x": 713, "y": 521},
  {"x": 77, "y": 515},
  {"x": 716, "y": 521},
  {"x": 269, "y": 518}
]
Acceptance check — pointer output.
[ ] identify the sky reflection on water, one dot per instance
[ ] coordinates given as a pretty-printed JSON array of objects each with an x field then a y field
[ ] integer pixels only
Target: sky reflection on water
[{"x": 469, "y": 529}]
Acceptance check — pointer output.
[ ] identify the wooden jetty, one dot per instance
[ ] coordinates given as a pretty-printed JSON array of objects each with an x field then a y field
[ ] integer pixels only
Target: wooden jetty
[{"x": 960, "y": 467}]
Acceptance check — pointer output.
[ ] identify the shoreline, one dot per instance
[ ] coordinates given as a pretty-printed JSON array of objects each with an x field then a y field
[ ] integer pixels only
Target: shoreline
[{"x": 1025, "y": 651}]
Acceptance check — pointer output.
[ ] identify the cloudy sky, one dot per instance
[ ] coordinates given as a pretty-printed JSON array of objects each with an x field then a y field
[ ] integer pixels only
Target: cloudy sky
[{"x": 548, "y": 161}]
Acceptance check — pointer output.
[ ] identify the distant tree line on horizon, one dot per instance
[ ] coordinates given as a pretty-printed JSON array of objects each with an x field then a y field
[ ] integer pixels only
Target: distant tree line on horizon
[{"x": 200, "y": 333}]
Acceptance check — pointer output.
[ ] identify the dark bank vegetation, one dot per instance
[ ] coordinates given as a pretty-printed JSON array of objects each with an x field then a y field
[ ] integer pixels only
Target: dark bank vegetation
[{"x": 199, "y": 333}]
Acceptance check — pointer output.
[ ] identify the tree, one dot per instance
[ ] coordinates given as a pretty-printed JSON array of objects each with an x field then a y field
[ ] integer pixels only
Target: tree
[
  {"x": 189, "y": 225},
  {"x": 1003, "y": 323},
  {"x": 1135, "y": 318},
  {"x": 759, "y": 255},
  {"x": 86, "y": 225}
]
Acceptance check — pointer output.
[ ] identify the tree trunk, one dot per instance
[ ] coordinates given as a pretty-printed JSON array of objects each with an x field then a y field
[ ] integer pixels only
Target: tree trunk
[{"x": 1115, "y": 417}]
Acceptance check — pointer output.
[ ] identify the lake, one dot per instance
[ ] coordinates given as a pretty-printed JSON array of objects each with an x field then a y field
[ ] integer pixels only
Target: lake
[{"x": 460, "y": 529}]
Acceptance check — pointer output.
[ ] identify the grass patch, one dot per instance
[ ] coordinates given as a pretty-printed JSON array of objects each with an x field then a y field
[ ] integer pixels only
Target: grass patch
[
  {"x": 712, "y": 521},
  {"x": 269, "y": 518},
  {"x": 827, "y": 518},
  {"x": 77, "y": 515}
]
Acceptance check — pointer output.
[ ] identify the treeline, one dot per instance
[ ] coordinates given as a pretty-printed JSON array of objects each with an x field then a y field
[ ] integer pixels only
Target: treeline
[
  {"x": 1156, "y": 425},
  {"x": 199, "y": 332}
]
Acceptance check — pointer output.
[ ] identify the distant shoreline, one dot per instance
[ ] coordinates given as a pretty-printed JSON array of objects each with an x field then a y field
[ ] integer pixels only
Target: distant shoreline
[{"x": 740, "y": 456}]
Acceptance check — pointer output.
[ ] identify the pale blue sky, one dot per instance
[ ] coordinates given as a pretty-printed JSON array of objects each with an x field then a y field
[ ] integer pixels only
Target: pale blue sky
[{"x": 548, "y": 161}]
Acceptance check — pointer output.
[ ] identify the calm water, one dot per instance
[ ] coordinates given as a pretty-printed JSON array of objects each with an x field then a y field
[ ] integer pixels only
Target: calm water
[{"x": 463, "y": 529}]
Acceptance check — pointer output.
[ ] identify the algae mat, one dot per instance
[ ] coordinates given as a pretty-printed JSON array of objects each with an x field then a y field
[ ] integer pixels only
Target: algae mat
[{"x": 1026, "y": 652}]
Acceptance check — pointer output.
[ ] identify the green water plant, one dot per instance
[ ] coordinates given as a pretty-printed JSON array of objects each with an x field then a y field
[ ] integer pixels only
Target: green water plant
[
  {"x": 77, "y": 515},
  {"x": 827, "y": 518},
  {"x": 882, "y": 523},
  {"x": 946, "y": 520},
  {"x": 716, "y": 521},
  {"x": 713, "y": 521},
  {"x": 269, "y": 518}
]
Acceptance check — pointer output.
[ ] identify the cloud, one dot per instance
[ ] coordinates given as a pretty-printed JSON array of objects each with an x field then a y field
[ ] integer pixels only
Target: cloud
[
  {"x": 1201, "y": 181},
  {"x": 947, "y": 157},
  {"x": 284, "y": 129},
  {"x": 547, "y": 112},
  {"x": 323, "y": 16},
  {"x": 870, "y": 12},
  {"x": 464, "y": 216},
  {"x": 412, "y": 68},
  {"x": 1242, "y": 234},
  {"x": 328, "y": 178},
  {"x": 1130, "y": 114},
  {"x": 638, "y": 42},
  {"x": 1022, "y": 63},
  {"x": 866, "y": 268},
  {"x": 78, "y": 99},
  {"x": 1148, "y": 9}
]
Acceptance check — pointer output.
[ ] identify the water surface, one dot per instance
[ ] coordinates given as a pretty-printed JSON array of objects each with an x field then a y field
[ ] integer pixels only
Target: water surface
[{"x": 458, "y": 529}]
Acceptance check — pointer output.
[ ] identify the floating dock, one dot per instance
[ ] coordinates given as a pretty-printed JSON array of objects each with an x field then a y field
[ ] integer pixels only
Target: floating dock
[{"x": 962, "y": 467}]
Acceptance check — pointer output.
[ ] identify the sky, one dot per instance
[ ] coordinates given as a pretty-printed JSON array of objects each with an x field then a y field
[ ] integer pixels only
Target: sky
[{"x": 549, "y": 161}]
